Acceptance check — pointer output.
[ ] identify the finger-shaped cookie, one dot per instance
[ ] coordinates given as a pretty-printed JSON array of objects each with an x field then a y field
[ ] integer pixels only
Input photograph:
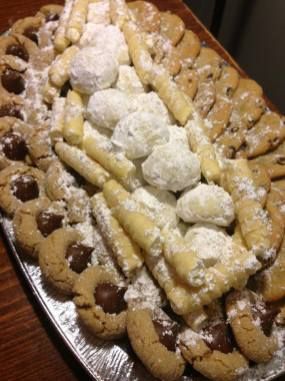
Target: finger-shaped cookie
[
  {"x": 99, "y": 300},
  {"x": 187, "y": 81},
  {"x": 98, "y": 148},
  {"x": 19, "y": 183},
  {"x": 273, "y": 162},
  {"x": 126, "y": 252},
  {"x": 172, "y": 27},
  {"x": 201, "y": 145},
  {"x": 13, "y": 141},
  {"x": 274, "y": 204},
  {"x": 62, "y": 257},
  {"x": 119, "y": 12},
  {"x": 139, "y": 53},
  {"x": 114, "y": 193},
  {"x": 208, "y": 64},
  {"x": 267, "y": 134},
  {"x": 146, "y": 16},
  {"x": 205, "y": 97},
  {"x": 228, "y": 82},
  {"x": 176, "y": 101},
  {"x": 34, "y": 221},
  {"x": 188, "y": 267},
  {"x": 59, "y": 70},
  {"x": 188, "y": 48},
  {"x": 262, "y": 181},
  {"x": 50, "y": 92},
  {"x": 73, "y": 119},
  {"x": 248, "y": 109},
  {"x": 77, "y": 20},
  {"x": 57, "y": 119},
  {"x": 251, "y": 323},
  {"x": 155, "y": 338},
  {"x": 218, "y": 118},
  {"x": 81, "y": 163},
  {"x": 247, "y": 86},
  {"x": 61, "y": 42},
  {"x": 51, "y": 12},
  {"x": 28, "y": 27},
  {"x": 171, "y": 61},
  {"x": 210, "y": 349}
]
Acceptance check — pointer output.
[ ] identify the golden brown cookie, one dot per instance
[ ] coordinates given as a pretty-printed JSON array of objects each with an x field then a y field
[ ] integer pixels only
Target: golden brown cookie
[
  {"x": 187, "y": 81},
  {"x": 146, "y": 15},
  {"x": 14, "y": 136},
  {"x": 274, "y": 207},
  {"x": 19, "y": 46},
  {"x": 51, "y": 12},
  {"x": 248, "y": 86},
  {"x": 12, "y": 75},
  {"x": 62, "y": 257},
  {"x": 188, "y": 48},
  {"x": 228, "y": 82},
  {"x": 34, "y": 221},
  {"x": 218, "y": 118},
  {"x": 154, "y": 341},
  {"x": 40, "y": 149},
  {"x": 208, "y": 64},
  {"x": 211, "y": 352},
  {"x": 99, "y": 300},
  {"x": 205, "y": 97},
  {"x": 266, "y": 135},
  {"x": 261, "y": 180},
  {"x": 28, "y": 27},
  {"x": 273, "y": 162},
  {"x": 172, "y": 27},
  {"x": 251, "y": 321},
  {"x": 19, "y": 183},
  {"x": 11, "y": 105}
]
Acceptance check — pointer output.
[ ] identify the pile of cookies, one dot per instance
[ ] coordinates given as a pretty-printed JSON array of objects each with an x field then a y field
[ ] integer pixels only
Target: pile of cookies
[{"x": 147, "y": 178}]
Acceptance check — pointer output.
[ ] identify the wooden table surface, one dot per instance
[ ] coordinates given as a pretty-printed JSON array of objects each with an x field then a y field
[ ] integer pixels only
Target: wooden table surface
[{"x": 30, "y": 349}]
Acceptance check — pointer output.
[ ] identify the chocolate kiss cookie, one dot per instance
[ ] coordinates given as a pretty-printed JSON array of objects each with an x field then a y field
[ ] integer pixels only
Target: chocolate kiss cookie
[
  {"x": 154, "y": 338},
  {"x": 251, "y": 322},
  {"x": 99, "y": 300},
  {"x": 62, "y": 257},
  {"x": 34, "y": 221},
  {"x": 18, "y": 184}
]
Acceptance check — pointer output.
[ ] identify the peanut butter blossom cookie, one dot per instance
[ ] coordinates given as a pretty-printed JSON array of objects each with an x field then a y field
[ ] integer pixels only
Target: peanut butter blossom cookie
[{"x": 146, "y": 177}]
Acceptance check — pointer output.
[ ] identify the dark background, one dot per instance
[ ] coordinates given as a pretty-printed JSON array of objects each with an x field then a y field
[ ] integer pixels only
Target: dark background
[{"x": 253, "y": 32}]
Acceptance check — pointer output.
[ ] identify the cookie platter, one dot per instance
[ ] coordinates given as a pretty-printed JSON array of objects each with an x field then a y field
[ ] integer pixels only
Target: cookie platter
[{"x": 142, "y": 188}]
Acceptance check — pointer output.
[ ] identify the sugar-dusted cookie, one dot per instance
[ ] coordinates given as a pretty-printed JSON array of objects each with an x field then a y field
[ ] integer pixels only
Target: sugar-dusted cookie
[
  {"x": 251, "y": 321},
  {"x": 208, "y": 64},
  {"x": 29, "y": 27},
  {"x": 273, "y": 162},
  {"x": 99, "y": 300},
  {"x": 19, "y": 183},
  {"x": 172, "y": 27},
  {"x": 153, "y": 337},
  {"x": 51, "y": 12},
  {"x": 19, "y": 46},
  {"x": 211, "y": 351},
  {"x": 11, "y": 105},
  {"x": 12, "y": 74},
  {"x": 188, "y": 48},
  {"x": 62, "y": 257},
  {"x": 205, "y": 97},
  {"x": 33, "y": 221},
  {"x": 13, "y": 141},
  {"x": 261, "y": 180},
  {"x": 187, "y": 81},
  {"x": 146, "y": 15}
]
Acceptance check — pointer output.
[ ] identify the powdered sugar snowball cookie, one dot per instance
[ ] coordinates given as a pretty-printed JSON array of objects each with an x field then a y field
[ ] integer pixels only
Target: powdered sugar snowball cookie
[
  {"x": 172, "y": 167},
  {"x": 209, "y": 242},
  {"x": 151, "y": 102},
  {"x": 178, "y": 135},
  {"x": 160, "y": 204},
  {"x": 128, "y": 80},
  {"x": 93, "y": 70},
  {"x": 105, "y": 108},
  {"x": 107, "y": 38},
  {"x": 206, "y": 203},
  {"x": 139, "y": 132}
]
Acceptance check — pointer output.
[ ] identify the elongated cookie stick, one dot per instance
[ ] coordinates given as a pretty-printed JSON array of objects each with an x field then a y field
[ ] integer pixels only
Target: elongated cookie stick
[
  {"x": 59, "y": 70},
  {"x": 178, "y": 103},
  {"x": 126, "y": 252},
  {"x": 98, "y": 148},
  {"x": 57, "y": 119},
  {"x": 73, "y": 118},
  {"x": 119, "y": 12},
  {"x": 201, "y": 145},
  {"x": 82, "y": 164},
  {"x": 252, "y": 218},
  {"x": 50, "y": 92},
  {"x": 77, "y": 20},
  {"x": 139, "y": 53},
  {"x": 61, "y": 42},
  {"x": 184, "y": 261},
  {"x": 114, "y": 193}
]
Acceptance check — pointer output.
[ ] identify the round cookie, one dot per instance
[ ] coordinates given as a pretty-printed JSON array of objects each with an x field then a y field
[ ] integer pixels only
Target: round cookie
[
  {"x": 62, "y": 257},
  {"x": 13, "y": 141},
  {"x": 251, "y": 322},
  {"x": 211, "y": 351},
  {"x": 154, "y": 341},
  {"x": 12, "y": 75},
  {"x": 19, "y": 183},
  {"x": 99, "y": 300},
  {"x": 34, "y": 221}
]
